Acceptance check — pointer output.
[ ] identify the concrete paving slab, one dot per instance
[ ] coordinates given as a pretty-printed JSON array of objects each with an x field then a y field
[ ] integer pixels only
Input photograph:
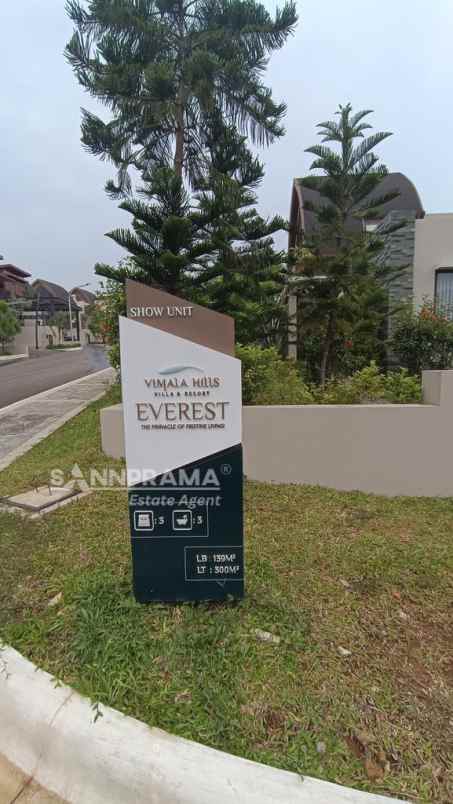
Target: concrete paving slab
[
  {"x": 39, "y": 498},
  {"x": 11, "y": 781},
  {"x": 17, "y": 788},
  {"x": 25, "y": 423}
]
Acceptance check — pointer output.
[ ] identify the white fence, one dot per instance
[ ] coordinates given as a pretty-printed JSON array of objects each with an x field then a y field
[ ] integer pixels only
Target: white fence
[{"x": 385, "y": 449}]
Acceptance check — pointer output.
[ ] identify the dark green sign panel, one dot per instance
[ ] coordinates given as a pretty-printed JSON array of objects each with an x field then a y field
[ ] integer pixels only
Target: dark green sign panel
[{"x": 186, "y": 529}]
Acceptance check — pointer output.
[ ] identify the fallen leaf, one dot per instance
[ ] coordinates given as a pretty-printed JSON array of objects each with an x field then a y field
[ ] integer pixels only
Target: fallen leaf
[
  {"x": 266, "y": 636},
  {"x": 183, "y": 697},
  {"x": 373, "y": 770},
  {"x": 363, "y": 738},
  {"x": 381, "y": 756},
  {"x": 54, "y": 601},
  {"x": 396, "y": 594},
  {"x": 274, "y": 720},
  {"x": 355, "y": 745}
]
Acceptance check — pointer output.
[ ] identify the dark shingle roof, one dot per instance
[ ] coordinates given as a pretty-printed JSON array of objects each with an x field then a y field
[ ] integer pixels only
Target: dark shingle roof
[
  {"x": 407, "y": 200},
  {"x": 83, "y": 295},
  {"x": 53, "y": 290},
  {"x": 13, "y": 269}
]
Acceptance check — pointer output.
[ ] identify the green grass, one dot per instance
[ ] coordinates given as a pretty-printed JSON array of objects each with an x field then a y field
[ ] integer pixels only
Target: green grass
[{"x": 324, "y": 570}]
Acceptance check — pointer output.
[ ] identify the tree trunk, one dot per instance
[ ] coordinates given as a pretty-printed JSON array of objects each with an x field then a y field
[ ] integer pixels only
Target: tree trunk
[
  {"x": 179, "y": 132},
  {"x": 179, "y": 149},
  {"x": 328, "y": 340}
]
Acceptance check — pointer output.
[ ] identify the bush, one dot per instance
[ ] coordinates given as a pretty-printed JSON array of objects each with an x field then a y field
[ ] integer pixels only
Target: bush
[
  {"x": 366, "y": 385},
  {"x": 268, "y": 379},
  {"x": 402, "y": 387},
  {"x": 10, "y": 325},
  {"x": 111, "y": 304},
  {"x": 423, "y": 339},
  {"x": 369, "y": 385}
]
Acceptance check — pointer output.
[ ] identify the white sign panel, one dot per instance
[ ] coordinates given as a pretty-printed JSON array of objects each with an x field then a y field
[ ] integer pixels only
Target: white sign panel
[{"x": 182, "y": 401}]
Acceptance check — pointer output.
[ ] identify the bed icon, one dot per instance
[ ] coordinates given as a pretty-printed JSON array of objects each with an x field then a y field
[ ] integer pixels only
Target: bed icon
[
  {"x": 182, "y": 519},
  {"x": 143, "y": 520}
]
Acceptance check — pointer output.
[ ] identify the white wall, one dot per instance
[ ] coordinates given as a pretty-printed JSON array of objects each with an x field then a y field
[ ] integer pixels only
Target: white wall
[
  {"x": 383, "y": 449},
  {"x": 27, "y": 337},
  {"x": 433, "y": 250}
]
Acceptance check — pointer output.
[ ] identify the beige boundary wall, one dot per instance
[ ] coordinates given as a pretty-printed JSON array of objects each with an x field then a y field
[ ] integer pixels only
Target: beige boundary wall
[{"x": 385, "y": 449}]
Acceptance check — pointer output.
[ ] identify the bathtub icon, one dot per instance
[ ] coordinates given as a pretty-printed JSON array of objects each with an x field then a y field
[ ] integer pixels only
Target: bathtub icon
[{"x": 182, "y": 519}]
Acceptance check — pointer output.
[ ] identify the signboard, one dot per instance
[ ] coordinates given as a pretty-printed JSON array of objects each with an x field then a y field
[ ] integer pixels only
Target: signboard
[{"x": 182, "y": 417}]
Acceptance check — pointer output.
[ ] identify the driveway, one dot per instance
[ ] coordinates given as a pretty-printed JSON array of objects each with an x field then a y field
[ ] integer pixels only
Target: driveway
[{"x": 46, "y": 370}]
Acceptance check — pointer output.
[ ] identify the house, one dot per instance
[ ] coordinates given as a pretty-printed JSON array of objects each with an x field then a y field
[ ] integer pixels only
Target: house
[
  {"x": 13, "y": 282},
  {"x": 422, "y": 247},
  {"x": 84, "y": 299},
  {"x": 50, "y": 298}
]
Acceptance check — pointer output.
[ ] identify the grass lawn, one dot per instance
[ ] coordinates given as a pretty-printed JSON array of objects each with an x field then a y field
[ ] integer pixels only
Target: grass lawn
[{"x": 358, "y": 588}]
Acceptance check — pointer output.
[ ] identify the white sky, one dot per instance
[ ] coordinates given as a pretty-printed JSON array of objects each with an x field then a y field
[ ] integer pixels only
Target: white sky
[{"x": 393, "y": 56}]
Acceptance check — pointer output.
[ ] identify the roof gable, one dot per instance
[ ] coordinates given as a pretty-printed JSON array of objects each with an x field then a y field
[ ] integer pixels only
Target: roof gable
[{"x": 302, "y": 219}]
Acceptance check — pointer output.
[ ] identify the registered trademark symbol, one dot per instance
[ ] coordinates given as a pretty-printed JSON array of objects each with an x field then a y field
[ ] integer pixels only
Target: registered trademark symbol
[{"x": 226, "y": 469}]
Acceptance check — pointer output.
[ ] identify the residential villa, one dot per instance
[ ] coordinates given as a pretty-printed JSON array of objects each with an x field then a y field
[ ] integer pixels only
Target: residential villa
[
  {"x": 13, "y": 282},
  {"x": 84, "y": 299},
  {"x": 422, "y": 247},
  {"x": 37, "y": 303}
]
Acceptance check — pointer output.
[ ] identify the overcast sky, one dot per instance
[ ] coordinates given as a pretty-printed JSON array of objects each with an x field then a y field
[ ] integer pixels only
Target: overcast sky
[{"x": 393, "y": 56}]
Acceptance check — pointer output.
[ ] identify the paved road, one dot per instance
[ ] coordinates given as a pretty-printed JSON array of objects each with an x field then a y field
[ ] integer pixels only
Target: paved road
[
  {"x": 34, "y": 418},
  {"x": 47, "y": 370}
]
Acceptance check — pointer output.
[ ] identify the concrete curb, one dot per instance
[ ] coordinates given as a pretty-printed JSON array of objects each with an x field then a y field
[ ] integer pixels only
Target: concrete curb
[
  {"x": 27, "y": 445},
  {"x": 6, "y": 361},
  {"x": 109, "y": 371},
  {"x": 49, "y": 731}
]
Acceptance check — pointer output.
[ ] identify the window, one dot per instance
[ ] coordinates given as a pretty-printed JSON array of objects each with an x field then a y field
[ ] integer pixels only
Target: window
[{"x": 443, "y": 294}]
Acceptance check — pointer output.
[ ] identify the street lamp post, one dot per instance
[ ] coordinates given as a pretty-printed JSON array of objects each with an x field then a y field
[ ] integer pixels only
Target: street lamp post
[
  {"x": 70, "y": 318},
  {"x": 78, "y": 315}
]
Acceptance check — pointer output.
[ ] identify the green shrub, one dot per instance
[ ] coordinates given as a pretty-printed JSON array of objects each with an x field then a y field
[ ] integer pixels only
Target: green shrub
[
  {"x": 402, "y": 387},
  {"x": 369, "y": 385},
  {"x": 268, "y": 379},
  {"x": 364, "y": 385},
  {"x": 423, "y": 339},
  {"x": 112, "y": 303}
]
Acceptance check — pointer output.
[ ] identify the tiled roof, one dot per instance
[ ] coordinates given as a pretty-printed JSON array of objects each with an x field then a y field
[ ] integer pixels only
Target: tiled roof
[
  {"x": 83, "y": 295},
  {"x": 53, "y": 290},
  {"x": 13, "y": 269},
  {"x": 408, "y": 200}
]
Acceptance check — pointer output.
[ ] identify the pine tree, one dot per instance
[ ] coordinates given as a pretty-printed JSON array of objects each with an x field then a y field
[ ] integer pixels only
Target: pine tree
[
  {"x": 163, "y": 67},
  {"x": 343, "y": 291},
  {"x": 350, "y": 176},
  {"x": 247, "y": 276},
  {"x": 216, "y": 251},
  {"x": 168, "y": 244}
]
